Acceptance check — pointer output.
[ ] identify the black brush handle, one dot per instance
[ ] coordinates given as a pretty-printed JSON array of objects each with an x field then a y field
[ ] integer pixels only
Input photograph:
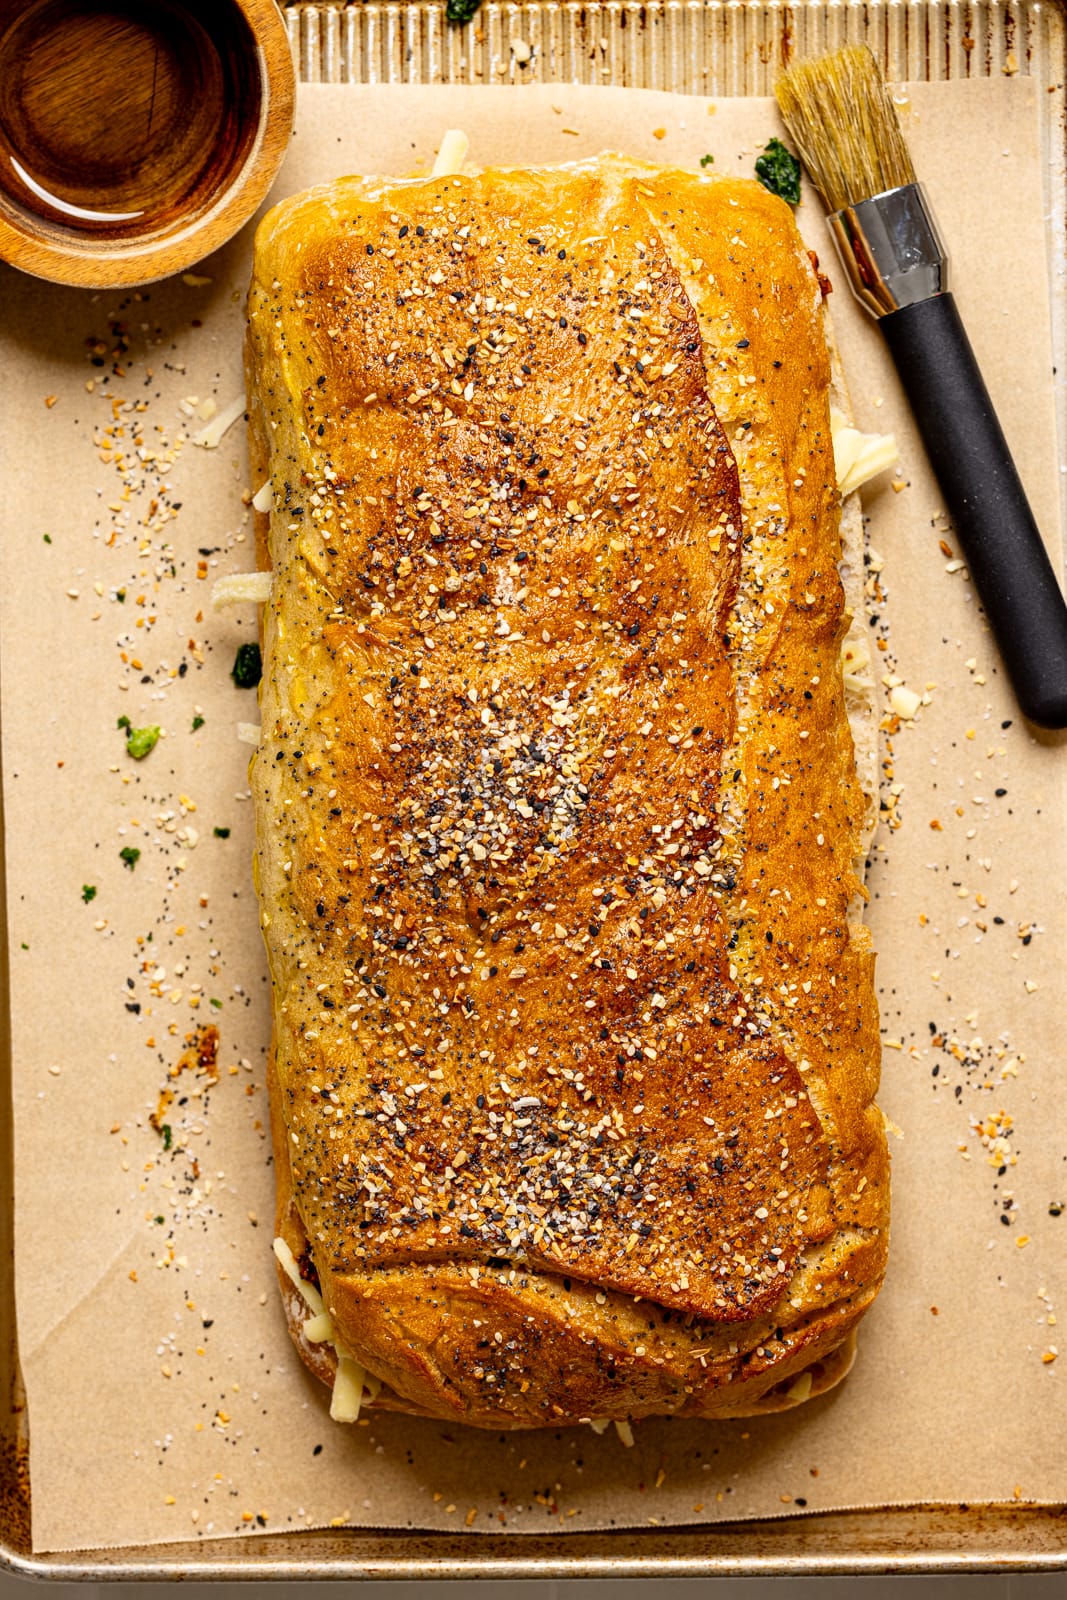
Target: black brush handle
[{"x": 983, "y": 495}]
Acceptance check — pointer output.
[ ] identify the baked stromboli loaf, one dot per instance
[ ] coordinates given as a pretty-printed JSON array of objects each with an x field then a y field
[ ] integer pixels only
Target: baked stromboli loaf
[{"x": 575, "y": 1045}]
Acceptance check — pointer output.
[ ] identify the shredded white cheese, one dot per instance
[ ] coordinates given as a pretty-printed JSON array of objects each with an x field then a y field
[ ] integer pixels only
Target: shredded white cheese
[
  {"x": 240, "y": 586},
  {"x": 249, "y": 732},
  {"x": 801, "y": 1389},
  {"x": 319, "y": 1330},
  {"x": 452, "y": 154},
  {"x": 600, "y": 1424},
  {"x": 292, "y": 1272},
  {"x": 858, "y": 457},
  {"x": 846, "y": 443},
  {"x": 625, "y": 1433},
  {"x": 211, "y": 436},
  {"x": 347, "y": 1390},
  {"x": 351, "y": 1378},
  {"x": 855, "y": 664},
  {"x": 263, "y": 498},
  {"x": 878, "y": 453},
  {"x": 904, "y": 701}
]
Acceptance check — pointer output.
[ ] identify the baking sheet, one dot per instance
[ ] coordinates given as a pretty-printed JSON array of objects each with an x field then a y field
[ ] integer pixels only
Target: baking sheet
[{"x": 136, "y": 1437}]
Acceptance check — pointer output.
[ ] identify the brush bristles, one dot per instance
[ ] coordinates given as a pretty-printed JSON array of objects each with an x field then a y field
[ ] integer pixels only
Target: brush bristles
[{"x": 842, "y": 121}]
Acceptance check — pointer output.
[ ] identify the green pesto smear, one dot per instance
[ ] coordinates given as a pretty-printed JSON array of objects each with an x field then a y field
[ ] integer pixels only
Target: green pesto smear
[{"x": 779, "y": 171}]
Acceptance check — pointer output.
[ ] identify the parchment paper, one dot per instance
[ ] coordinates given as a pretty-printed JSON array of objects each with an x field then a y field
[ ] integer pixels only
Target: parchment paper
[{"x": 164, "y": 1398}]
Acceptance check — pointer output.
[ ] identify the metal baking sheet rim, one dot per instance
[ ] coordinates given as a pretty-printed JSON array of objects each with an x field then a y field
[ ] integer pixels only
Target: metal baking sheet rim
[{"x": 696, "y": 46}]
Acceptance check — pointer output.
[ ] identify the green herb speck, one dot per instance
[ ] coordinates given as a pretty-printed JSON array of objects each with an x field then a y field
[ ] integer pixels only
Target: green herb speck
[
  {"x": 88, "y": 892},
  {"x": 167, "y": 1135},
  {"x": 222, "y": 833},
  {"x": 120, "y": 596},
  {"x": 198, "y": 722},
  {"x": 779, "y": 171},
  {"x": 707, "y": 161},
  {"x": 216, "y": 1004},
  {"x": 461, "y": 10},
  {"x": 130, "y": 856},
  {"x": 139, "y": 741},
  {"x": 47, "y": 537},
  {"x": 247, "y": 666}
]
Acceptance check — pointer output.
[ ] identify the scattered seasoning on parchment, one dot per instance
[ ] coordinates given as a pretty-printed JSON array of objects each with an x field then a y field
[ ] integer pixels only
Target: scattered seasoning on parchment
[
  {"x": 146, "y": 571},
  {"x": 979, "y": 1070}
]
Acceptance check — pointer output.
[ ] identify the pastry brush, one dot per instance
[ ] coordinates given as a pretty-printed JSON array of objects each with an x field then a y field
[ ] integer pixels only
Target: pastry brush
[{"x": 841, "y": 117}]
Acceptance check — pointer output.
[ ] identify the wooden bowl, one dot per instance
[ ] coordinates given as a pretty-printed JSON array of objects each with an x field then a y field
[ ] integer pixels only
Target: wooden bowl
[{"x": 136, "y": 135}]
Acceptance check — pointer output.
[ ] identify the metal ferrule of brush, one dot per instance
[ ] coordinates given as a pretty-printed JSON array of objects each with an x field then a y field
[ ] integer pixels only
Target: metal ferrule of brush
[{"x": 891, "y": 249}]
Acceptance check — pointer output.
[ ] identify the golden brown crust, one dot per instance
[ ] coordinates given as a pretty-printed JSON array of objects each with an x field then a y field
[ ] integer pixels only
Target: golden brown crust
[{"x": 575, "y": 1047}]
